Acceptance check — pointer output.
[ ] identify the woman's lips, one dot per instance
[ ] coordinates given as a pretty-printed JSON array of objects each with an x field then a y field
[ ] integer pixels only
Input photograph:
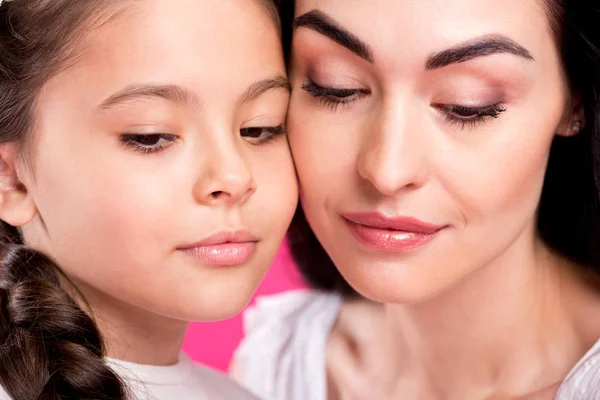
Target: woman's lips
[
  {"x": 224, "y": 248},
  {"x": 383, "y": 233}
]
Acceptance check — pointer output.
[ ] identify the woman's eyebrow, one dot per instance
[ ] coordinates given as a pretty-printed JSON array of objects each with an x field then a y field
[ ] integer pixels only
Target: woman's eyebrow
[
  {"x": 478, "y": 47},
  {"x": 320, "y": 22},
  {"x": 481, "y": 46}
]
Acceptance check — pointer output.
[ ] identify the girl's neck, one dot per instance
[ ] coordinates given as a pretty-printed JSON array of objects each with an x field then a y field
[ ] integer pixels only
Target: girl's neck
[
  {"x": 133, "y": 334},
  {"x": 509, "y": 328}
]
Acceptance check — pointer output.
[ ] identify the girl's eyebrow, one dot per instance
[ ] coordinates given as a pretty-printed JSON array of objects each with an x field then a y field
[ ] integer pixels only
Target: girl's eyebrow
[
  {"x": 180, "y": 95},
  {"x": 173, "y": 93},
  {"x": 258, "y": 88}
]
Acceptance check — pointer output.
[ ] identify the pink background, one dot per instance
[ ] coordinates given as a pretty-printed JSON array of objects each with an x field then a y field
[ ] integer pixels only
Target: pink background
[{"x": 214, "y": 343}]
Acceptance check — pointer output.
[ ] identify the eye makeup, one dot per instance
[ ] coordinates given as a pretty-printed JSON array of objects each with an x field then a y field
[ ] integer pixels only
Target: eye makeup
[{"x": 334, "y": 97}]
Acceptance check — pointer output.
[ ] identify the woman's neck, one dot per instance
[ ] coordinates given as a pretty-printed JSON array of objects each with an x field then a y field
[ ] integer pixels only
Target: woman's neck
[{"x": 508, "y": 330}]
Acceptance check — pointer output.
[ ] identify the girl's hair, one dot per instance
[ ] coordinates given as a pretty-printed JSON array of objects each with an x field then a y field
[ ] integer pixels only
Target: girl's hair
[
  {"x": 50, "y": 348},
  {"x": 568, "y": 212}
]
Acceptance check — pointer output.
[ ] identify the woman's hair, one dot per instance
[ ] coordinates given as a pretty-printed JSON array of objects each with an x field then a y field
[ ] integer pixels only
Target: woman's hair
[
  {"x": 50, "y": 348},
  {"x": 568, "y": 213}
]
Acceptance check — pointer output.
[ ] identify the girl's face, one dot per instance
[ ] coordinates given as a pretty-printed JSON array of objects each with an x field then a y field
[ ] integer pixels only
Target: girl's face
[
  {"x": 158, "y": 149},
  {"x": 421, "y": 132}
]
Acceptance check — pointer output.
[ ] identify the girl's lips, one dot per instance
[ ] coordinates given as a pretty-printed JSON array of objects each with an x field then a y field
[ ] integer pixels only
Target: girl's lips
[
  {"x": 224, "y": 253},
  {"x": 224, "y": 248}
]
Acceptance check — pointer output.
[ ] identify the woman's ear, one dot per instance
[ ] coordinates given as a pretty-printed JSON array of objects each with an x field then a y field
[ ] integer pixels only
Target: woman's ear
[
  {"x": 16, "y": 205},
  {"x": 574, "y": 121}
]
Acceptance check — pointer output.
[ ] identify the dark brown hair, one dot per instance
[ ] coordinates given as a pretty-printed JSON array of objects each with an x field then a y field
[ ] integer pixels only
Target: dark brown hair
[
  {"x": 569, "y": 210},
  {"x": 50, "y": 348}
]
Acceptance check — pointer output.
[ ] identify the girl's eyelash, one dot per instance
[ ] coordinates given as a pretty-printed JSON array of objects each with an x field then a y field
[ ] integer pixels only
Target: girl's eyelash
[
  {"x": 157, "y": 142},
  {"x": 467, "y": 117},
  {"x": 262, "y": 134},
  {"x": 147, "y": 143},
  {"x": 334, "y": 97}
]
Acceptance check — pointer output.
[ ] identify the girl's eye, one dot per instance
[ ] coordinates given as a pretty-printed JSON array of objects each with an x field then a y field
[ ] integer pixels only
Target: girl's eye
[
  {"x": 147, "y": 143},
  {"x": 470, "y": 116},
  {"x": 334, "y": 97},
  {"x": 259, "y": 135}
]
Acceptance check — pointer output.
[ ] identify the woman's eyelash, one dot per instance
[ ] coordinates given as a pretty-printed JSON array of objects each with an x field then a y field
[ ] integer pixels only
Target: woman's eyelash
[
  {"x": 147, "y": 143},
  {"x": 334, "y": 97},
  {"x": 470, "y": 116},
  {"x": 457, "y": 114}
]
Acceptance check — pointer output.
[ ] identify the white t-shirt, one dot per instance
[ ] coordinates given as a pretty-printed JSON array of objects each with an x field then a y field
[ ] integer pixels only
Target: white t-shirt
[
  {"x": 282, "y": 356},
  {"x": 182, "y": 381}
]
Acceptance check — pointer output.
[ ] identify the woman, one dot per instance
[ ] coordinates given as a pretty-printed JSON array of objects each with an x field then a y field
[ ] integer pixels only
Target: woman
[
  {"x": 145, "y": 182},
  {"x": 448, "y": 159}
]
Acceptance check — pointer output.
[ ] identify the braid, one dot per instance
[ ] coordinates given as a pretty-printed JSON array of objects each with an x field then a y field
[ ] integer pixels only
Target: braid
[{"x": 49, "y": 347}]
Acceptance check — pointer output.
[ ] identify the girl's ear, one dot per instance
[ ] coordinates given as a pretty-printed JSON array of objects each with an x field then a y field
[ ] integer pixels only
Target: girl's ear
[
  {"x": 16, "y": 205},
  {"x": 576, "y": 119}
]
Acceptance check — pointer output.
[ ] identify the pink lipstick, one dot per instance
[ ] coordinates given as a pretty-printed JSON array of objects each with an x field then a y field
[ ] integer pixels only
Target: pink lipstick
[
  {"x": 392, "y": 234},
  {"x": 224, "y": 248}
]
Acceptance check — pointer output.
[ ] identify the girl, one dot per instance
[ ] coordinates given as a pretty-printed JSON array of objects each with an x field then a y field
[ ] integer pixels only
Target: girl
[
  {"x": 145, "y": 182},
  {"x": 448, "y": 158}
]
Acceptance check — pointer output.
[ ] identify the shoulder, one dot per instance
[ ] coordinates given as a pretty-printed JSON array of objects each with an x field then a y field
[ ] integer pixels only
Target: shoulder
[
  {"x": 285, "y": 334},
  {"x": 219, "y": 386},
  {"x": 3, "y": 394},
  {"x": 284, "y": 316},
  {"x": 290, "y": 308},
  {"x": 583, "y": 382}
]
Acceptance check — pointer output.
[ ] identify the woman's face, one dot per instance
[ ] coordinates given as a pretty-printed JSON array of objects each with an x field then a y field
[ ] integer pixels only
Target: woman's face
[
  {"x": 160, "y": 147},
  {"x": 421, "y": 132}
]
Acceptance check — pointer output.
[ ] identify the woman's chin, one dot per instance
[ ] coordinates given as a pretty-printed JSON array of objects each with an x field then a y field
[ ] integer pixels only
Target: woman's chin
[{"x": 396, "y": 282}]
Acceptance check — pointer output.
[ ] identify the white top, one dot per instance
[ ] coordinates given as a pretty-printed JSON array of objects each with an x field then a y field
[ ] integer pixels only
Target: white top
[
  {"x": 184, "y": 380},
  {"x": 282, "y": 356}
]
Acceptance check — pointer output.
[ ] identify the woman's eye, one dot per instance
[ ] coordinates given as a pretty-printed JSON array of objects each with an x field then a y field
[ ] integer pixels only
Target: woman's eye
[
  {"x": 334, "y": 97},
  {"x": 147, "y": 143},
  {"x": 258, "y": 135},
  {"x": 470, "y": 116}
]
